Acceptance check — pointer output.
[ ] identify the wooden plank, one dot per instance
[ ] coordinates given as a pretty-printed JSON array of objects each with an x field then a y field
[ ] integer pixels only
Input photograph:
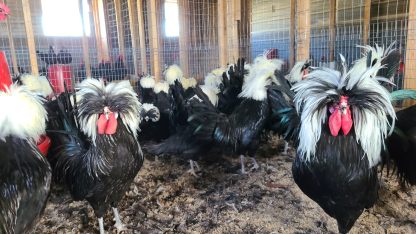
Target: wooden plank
[
  {"x": 183, "y": 36},
  {"x": 85, "y": 47},
  {"x": 332, "y": 31},
  {"x": 142, "y": 39},
  {"x": 303, "y": 30},
  {"x": 133, "y": 32},
  {"x": 292, "y": 33},
  {"x": 222, "y": 32},
  {"x": 410, "y": 63},
  {"x": 30, "y": 37},
  {"x": 366, "y": 22},
  {"x": 97, "y": 8},
  {"x": 235, "y": 13},
  {"x": 120, "y": 28},
  {"x": 154, "y": 39}
]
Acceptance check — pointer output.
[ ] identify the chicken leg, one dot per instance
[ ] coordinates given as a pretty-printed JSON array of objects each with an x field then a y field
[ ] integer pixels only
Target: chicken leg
[
  {"x": 101, "y": 224},
  {"x": 243, "y": 168},
  {"x": 286, "y": 148},
  {"x": 119, "y": 225},
  {"x": 193, "y": 165}
]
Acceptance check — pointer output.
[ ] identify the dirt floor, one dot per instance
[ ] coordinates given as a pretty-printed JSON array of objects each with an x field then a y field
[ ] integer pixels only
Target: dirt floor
[{"x": 164, "y": 198}]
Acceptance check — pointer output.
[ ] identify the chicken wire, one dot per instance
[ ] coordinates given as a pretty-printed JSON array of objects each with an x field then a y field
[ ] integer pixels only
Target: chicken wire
[{"x": 264, "y": 26}]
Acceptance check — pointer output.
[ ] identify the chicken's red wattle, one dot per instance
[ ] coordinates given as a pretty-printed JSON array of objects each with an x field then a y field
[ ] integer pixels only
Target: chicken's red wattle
[{"x": 107, "y": 126}]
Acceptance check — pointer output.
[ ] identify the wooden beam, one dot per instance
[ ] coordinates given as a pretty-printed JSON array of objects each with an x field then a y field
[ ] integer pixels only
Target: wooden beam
[
  {"x": 366, "y": 22},
  {"x": 410, "y": 64},
  {"x": 233, "y": 34},
  {"x": 133, "y": 32},
  {"x": 154, "y": 38},
  {"x": 183, "y": 36},
  {"x": 85, "y": 47},
  {"x": 30, "y": 37},
  {"x": 303, "y": 30},
  {"x": 120, "y": 28},
  {"x": 222, "y": 32},
  {"x": 97, "y": 8},
  {"x": 142, "y": 38},
  {"x": 332, "y": 27},
  {"x": 292, "y": 33}
]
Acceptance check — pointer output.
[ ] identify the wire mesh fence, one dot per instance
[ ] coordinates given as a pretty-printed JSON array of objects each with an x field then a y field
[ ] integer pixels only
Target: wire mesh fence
[{"x": 188, "y": 33}]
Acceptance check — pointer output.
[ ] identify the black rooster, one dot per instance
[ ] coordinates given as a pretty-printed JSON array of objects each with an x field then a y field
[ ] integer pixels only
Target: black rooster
[
  {"x": 98, "y": 160},
  {"x": 25, "y": 173}
]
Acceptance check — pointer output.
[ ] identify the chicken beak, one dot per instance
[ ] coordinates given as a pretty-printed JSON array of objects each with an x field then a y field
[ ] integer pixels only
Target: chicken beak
[{"x": 106, "y": 112}]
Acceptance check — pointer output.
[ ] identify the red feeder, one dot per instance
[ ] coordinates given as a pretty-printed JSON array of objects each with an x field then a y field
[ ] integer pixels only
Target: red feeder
[
  {"x": 5, "y": 78},
  {"x": 44, "y": 144},
  {"x": 59, "y": 73}
]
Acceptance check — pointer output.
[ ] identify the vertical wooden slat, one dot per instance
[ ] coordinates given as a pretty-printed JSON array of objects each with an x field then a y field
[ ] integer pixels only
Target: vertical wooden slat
[
  {"x": 366, "y": 21},
  {"x": 85, "y": 47},
  {"x": 154, "y": 38},
  {"x": 133, "y": 31},
  {"x": 303, "y": 30},
  {"x": 410, "y": 67},
  {"x": 142, "y": 40},
  {"x": 97, "y": 8},
  {"x": 332, "y": 32},
  {"x": 30, "y": 37},
  {"x": 120, "y": 28},
  {"x": 183, "y": 36},
  {"x": 234, "y": 20},
  {"x": 222, "y": 32},
  {"x": 292, "y": 32},
  {"x": 12, "y": 48}
]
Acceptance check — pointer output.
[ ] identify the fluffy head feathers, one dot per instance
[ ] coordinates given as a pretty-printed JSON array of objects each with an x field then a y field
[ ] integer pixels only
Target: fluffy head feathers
[
  {"x": 161, "y": 86},
  {"x": 261, "y": 74},
  {"x": 370, "y": 105},
  {"x": 173, "y": 73},
  {"x": 147, "y": 82},
  {"x": 37, "y": 84},
  {"x": 22, "y": 115},
  {"x": 119, "y": 97},
  {"x": 188, "y": 83}
]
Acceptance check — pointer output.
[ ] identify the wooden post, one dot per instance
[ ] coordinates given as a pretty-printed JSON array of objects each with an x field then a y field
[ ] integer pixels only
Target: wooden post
[
  {"x": 222, "y": 32},
  {"x": 97, "y": 8},
  {"x": 366, "y": 21},
  {"x": 85, "y": 47},
  {"x": 12, "y": 48},
  {"x": 142, "y": 38},
  {"x": 332, "y": 32},
  {"x": 134, "y": 36},
  {"x": 410, "y": 64},
  {"x": 183, "y": 36},
  {"x": 292, "y": 32},
  {"x": 235, "y": 19},
  {"x": 303, "y": 30},
  {"x": 30, "y": 37},
  {"x": 120, "y": 28},
  {"x": 154, "y": 39}
]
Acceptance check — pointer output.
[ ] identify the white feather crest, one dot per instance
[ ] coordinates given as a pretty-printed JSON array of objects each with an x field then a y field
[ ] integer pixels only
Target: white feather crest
[
  {"x": 211, "y": 93},
  {"x": 213, "y": 79},
  {"x": 370, "y": 120},
  {"x": 123, "y": 88},
  {"x": 147, "y": 82},
  {"x": 22, "y": 115},
  {"x": 261, "y": 74},
  {"x": 173, "y": 73},
  {"x": 296, "y": 73},
  {"x": 161, "y": 86},
  {"x": 378, "y": 53},
  {"x": 37, "y": 84},
  {"x": 188, "y": 83}
]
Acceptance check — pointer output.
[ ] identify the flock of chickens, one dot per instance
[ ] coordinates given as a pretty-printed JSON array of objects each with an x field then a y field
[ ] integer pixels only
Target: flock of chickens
[{"x": 342, "y": 123}]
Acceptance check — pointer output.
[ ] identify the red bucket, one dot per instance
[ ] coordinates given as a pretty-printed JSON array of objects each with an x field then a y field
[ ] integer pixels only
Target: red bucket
[
  {"x": 44, "y": 144},
  {"x": 59, "y": 73},
  {"x": 5, "y": 78}
]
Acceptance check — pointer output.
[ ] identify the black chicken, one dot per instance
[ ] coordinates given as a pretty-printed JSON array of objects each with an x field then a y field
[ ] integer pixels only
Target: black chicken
[
  {"x": 329, "y": 166},
  {"x": 64, "y": 57},
  {"x": 98, "y": 160},
  {"x": 25, "y": 174}
]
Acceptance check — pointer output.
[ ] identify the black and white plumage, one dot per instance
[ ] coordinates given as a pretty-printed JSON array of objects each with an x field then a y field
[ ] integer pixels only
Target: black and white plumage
[
  {"x": 240, "y": 131},
  {"x": 339, "y": 170},
  {"x": 25, "y": 174},
  {"x": 99, "y": 155}
]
